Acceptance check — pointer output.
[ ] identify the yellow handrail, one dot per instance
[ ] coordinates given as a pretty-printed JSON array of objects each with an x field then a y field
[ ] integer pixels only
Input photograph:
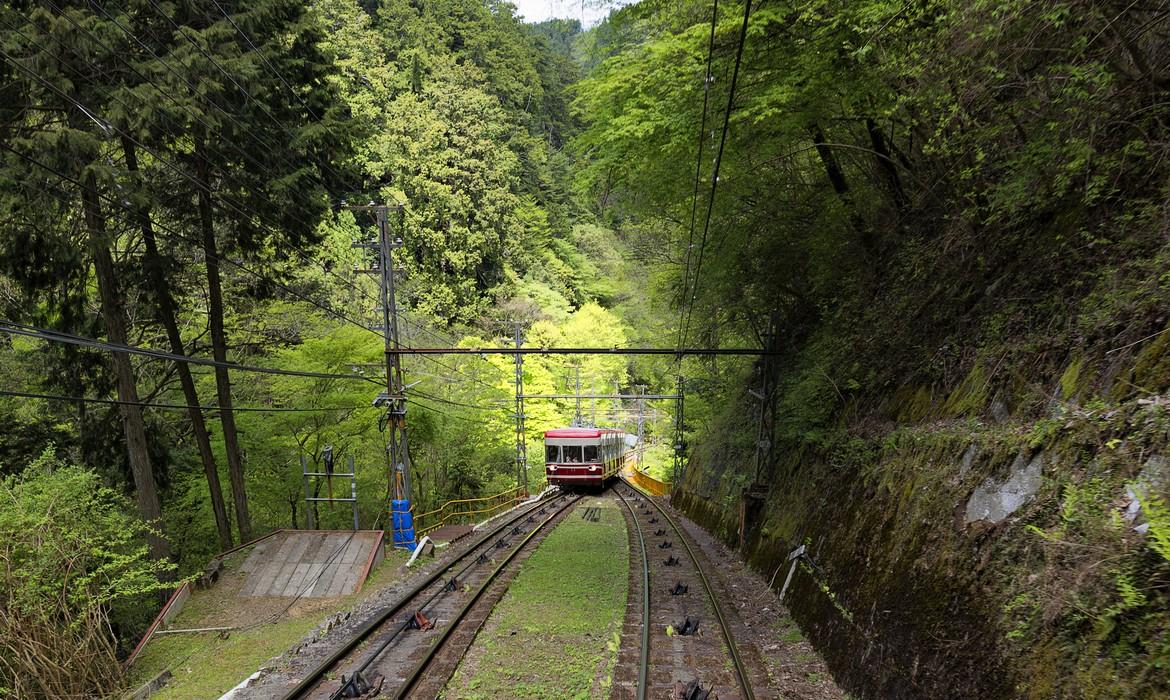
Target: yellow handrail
[
  {"x": 648, "y": 483},
  {"x": 514, "y": 494}
]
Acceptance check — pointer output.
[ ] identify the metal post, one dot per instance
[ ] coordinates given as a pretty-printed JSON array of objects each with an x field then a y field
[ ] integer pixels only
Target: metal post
[
  {"x": 394, "y": 402},
  {"x": 353, "y": 489},
  {"x": 399, "y": 452},
  {"x": 593, "y": 391},
  {"x": 577, "y": 416},
  {"x": 521, "y": 432},
  {"x": 641, "y": 424},
  {"x": 679, "y": 445},
  {"x": 764, "y": 422},
  {"x": 308, "y": 494}
]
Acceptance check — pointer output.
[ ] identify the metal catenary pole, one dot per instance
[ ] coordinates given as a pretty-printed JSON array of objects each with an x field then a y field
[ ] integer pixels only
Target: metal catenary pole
[
  {"x": 393, "y": 399},
  {"x": 521, "y": 432},
  {"x": 577, "y": 422},
  {"x": 396, "y": 410},
  {"x": 641, "y": 425},
  {"x": 679, "y": 444}
]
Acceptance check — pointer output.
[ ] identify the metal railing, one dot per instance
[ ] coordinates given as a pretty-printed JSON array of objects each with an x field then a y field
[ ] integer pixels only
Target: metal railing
[
  {"x": 647, "y": 483},
  {"x": 463, "y": 509}
]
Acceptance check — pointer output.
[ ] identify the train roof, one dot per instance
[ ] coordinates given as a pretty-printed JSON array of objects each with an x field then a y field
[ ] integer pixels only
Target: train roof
[{"x": 579, "y": 432}]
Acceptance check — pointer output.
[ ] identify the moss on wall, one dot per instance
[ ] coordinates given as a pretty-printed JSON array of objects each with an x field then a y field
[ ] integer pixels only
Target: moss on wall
[{"x": 906, "y": 599}]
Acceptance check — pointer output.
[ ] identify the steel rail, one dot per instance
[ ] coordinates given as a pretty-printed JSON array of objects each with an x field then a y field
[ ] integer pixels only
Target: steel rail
[
  {"x": 644, "y": 661},
  {"x": 740, "y": 673},
  {"x": 433, "y": 650},
  {"x": 313, "y": 677}
]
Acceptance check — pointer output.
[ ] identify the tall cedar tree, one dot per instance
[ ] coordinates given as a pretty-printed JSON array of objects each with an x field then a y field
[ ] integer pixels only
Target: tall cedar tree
[
  {"x": 62, "y": 71},
  {"x": 241, "y": 103}
]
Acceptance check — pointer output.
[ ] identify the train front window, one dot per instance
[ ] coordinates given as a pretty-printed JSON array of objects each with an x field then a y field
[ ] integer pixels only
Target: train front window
[
  {"x": 591, "y": 453},
  {"x": 572, "y": 453},
  {"x": 552, "y": 453}
]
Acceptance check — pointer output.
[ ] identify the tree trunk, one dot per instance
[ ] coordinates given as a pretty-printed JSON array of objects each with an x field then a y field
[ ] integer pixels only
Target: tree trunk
[
  {"x": 832, "y": 167},
  {"x": 841, "y": 187},
  {"x": 132, "y": 423},
  {"x": 223, "y": 385},
  {"x": 885, "y": 163},
  {"x": 166, "y": 307}
]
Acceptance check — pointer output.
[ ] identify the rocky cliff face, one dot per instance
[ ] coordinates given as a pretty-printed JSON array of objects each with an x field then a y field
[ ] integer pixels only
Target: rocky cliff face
[{"x": 979, "y": 557}]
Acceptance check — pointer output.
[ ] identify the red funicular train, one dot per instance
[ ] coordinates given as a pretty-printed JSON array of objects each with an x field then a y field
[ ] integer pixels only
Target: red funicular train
[{"x": 581, "y": 457}]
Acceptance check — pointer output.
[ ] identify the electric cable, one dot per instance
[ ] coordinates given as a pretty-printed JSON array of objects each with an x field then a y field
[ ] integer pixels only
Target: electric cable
[
  {"x": 747, "y": 10},
  {"x": 184, "y": 407},
  {"x": 13, "y": 328},
  {"x": 698, "y": 165}
]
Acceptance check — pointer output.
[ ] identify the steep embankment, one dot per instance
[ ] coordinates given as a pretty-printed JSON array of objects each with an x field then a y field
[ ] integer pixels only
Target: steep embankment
[{"x": 974, "y": 452}]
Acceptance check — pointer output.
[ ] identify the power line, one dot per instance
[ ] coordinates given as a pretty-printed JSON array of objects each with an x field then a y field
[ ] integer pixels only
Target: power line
[
  {"x": 35, "y": 331},
  {"x": 14, "y": 328},
  {"x": 184, "y": 407},
  {"x": 747, "y": 11},
  {"x": 177, "y": 234},
  {"x": 587, "y": 351},
  {"x": 105, "y": 125},
  {"x": 698, "y": 167}
]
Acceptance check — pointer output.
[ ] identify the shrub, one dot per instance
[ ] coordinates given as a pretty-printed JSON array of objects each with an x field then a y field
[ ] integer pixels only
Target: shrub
[{"x": 73, "y": 562}]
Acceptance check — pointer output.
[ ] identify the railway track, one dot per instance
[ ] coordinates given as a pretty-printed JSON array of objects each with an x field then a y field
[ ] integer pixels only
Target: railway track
[
  {"x": 411, "y": 648},
  {"x": 686, "y": 643}
]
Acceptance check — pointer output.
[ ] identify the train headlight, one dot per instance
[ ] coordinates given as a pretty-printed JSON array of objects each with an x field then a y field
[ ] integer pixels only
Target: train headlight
[
  {"x": 552, "y": 467},
  {"x": 592, "y": 467}
]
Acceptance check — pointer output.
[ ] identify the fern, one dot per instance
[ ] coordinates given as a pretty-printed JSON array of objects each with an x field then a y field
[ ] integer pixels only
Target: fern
[{"x": 1158, "y": 517}]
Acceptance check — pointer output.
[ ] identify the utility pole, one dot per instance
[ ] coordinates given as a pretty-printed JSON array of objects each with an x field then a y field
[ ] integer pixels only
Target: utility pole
[
  {"x": 754, "y": 495},
  {"x": 641, "y": 424},
  {"x": 593, "y": 391},
  {"x": 521, "y": 433},
  {"x": 393, "y": 399},
  {"x": 679, "y": 444},
  {"x": 577, "y": 422}
]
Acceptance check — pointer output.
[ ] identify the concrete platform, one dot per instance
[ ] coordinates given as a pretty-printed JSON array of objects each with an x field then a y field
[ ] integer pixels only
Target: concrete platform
[{"x": 312, "y": 563}]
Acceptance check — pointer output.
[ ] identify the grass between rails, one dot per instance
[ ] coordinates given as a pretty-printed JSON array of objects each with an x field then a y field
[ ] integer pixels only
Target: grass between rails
[
  {"x": 205, "y": 666},
  {"x": 556, "y": 632}
]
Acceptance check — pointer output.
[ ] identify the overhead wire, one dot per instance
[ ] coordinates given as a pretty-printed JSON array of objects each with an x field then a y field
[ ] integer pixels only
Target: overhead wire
[
  {"x": 14, "y": 328},
  {"x": 698, "y": 167},
  {"x": 107, "y": 127},
  {"x": 747, "y": 10},
  {"x": 174, "y": 406}
]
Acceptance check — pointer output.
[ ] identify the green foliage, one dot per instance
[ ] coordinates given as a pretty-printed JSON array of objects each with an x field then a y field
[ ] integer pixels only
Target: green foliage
[
  {"x": 74, "y": 564},
  {"x": 1158, "y": 516}
]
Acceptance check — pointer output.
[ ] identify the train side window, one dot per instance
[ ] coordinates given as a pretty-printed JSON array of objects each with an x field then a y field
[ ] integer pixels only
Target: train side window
[
  {"x": 572, "y": 453},
  {"x": 552, "y": 453},
  {"x": 591, "y": 453}
]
